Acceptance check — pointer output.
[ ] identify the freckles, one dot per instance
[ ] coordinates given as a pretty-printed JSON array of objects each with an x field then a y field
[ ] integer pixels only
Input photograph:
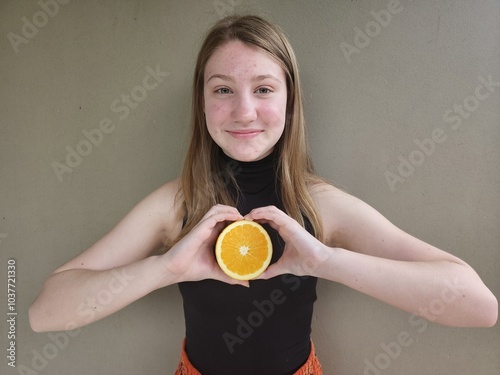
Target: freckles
[
  {"x": 219, "y": 110},
  {"x": 273, "y": 115},
  {"x": 214, "y": 108},
  {"x": 215, "y": 114}
]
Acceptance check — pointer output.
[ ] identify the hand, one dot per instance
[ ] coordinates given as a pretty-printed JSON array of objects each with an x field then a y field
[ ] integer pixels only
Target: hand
[
  {"x": 192, "y": 258},
  {"x": 303, "y": 252}
]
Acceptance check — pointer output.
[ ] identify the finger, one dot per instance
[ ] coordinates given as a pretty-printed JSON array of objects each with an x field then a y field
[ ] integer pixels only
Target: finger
[
  {"x": 260, "y": 212},
  {"x": 272, "y": 271},
  {"x": 221, "y": 276},
  {"x": 219, "y": 217},
  {"x": 276, "y": 218},
  {"x": 216, "y": 230},
  {"x": 231, "y": 281},
  {"x": 220, "y": 209},
  {"x": 268, "y": 214}
]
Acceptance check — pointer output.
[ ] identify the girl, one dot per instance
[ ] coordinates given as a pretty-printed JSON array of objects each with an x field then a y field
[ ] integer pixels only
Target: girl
[{"x": 248, "y": 159}]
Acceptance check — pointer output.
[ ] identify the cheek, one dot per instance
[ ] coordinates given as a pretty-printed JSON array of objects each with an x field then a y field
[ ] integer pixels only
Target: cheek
[
  {"x": 274, "y": 115},
  {"x": 215, "y": 113}
]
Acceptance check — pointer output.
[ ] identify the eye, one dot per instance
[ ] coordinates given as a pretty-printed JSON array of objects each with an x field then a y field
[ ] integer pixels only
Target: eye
[
  {"x": 263, "y": 90},
  {"x": 223, "y": 90}
]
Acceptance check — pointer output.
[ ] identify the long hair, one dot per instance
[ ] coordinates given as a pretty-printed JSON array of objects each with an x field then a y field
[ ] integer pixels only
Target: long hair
[{"x": 205, "y": 178}]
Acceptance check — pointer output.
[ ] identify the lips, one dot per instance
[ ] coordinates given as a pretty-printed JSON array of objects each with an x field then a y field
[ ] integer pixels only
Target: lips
[{"x": 244, "y": 133}]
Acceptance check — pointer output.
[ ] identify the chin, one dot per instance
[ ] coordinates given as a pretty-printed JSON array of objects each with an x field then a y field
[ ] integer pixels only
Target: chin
[
  {"x": 249, "y": 156},
  {"x": 242, "y": 158}
]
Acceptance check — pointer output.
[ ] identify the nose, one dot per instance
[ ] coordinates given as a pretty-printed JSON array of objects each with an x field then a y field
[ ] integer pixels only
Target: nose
[{"x": 244, "y": 109}]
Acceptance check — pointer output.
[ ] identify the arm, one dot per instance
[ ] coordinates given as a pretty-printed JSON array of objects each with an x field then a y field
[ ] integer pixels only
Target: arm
[
  {"x": 119, "y": 268},
  {"x": 371, "y": 255},
  {"x": 112, "y": 273},
  {"x": 76, "y": 297}
]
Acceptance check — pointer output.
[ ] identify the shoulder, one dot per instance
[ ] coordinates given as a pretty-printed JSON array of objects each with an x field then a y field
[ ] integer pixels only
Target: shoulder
[
  {"x": 352, "y": 224},
  {"x": 166, "y": 204},
  {"x": 150, "y": 225},
  {"x": 158, "y": 213},
  {"x": 349, "y": 222},
  {"x": 334, "y": 206},
  {"x": 168, "y": 191}
]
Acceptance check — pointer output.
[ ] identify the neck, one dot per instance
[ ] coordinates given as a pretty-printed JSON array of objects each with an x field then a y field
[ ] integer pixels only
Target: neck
[{"x": 254, "y": 176}]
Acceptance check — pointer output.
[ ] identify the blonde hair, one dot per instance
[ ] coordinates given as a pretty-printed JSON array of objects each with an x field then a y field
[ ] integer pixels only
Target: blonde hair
[{"x": 206, "y": 179}]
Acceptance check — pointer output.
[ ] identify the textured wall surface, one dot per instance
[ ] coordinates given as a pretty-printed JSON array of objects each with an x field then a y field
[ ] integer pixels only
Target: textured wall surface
[{"x": 95, "y": 100}]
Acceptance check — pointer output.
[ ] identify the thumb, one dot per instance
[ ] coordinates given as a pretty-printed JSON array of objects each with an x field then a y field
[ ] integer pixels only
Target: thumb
[
  {"x": 221, "y": 276},
  {"x": 272, "y": 271}
]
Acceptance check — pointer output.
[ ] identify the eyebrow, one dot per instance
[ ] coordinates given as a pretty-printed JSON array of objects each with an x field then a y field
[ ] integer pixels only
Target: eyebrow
[{"x": 260, "y": 77}]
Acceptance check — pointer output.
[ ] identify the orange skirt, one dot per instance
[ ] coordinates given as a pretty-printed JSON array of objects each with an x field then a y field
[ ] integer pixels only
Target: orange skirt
[{"x": 311, "y": 367}]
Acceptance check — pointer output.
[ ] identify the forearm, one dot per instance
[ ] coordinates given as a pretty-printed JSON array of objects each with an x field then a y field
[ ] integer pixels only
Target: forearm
[
  {"x": 441, "y": 291},
  {"x": 78, "y": 297}
]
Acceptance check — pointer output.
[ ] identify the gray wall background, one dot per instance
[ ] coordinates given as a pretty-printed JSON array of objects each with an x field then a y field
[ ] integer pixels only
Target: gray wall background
[{"x": 366, "y": 112}]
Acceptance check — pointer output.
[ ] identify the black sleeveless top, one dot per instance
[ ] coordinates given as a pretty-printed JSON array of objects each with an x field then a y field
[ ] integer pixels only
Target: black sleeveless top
[{"x": 261, "y": 330}]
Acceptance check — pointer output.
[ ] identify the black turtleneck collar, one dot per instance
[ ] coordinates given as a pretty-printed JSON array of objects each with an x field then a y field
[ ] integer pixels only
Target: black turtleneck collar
[{"x": 255, "y": 179}]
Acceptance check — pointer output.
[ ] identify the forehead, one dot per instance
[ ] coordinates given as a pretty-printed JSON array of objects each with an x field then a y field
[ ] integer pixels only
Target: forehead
[{"x": 239, "y": 59}]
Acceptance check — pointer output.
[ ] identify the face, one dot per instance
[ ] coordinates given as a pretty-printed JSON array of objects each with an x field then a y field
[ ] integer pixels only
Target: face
[{"x": 245, "y": 98}]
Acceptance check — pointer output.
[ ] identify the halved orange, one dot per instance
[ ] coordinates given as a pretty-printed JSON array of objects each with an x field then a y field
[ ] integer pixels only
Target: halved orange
[{"x": 243, "y": 250}]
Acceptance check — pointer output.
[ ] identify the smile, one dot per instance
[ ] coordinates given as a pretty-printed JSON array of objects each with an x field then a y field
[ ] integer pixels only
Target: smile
[{"x": 245, "y": 134}]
